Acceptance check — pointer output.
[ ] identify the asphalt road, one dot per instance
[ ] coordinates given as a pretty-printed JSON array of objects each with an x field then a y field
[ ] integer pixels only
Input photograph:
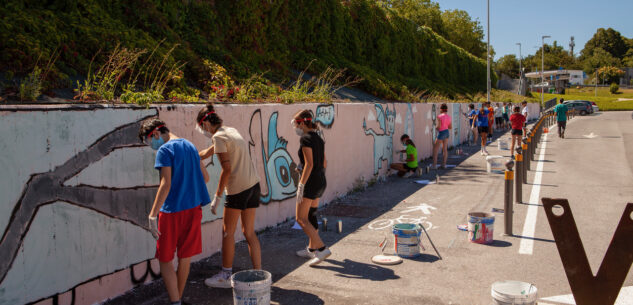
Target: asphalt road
[{"x": 592, "y": 167}]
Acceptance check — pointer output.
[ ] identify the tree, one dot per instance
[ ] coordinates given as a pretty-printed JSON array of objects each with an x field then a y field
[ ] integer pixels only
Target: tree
[
  {"x": 555, "y": 57},
  {"x": 461, "y": 30},
  {"x": 608, "y": 40},
  {"x": 627, "y": 61},
  {"x": 422, "y": 12},
  {"x": 609, "y": 74},
  {"x": 599, "y": 58},
  {"x": 508, "y": 65}
]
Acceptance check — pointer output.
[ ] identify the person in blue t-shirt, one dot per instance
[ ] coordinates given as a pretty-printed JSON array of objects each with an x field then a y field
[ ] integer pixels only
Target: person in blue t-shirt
[
  {"x": 181, "y": 193},
  {"x": 482, "y": 127},
  {"x": 561, "y": 117},
  {"x": 472, "y": 117}
]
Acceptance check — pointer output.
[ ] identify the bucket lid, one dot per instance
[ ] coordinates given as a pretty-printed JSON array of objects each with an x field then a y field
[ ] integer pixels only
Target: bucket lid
[
  {"x": 386, "y": 259},
  {"x": 514, "y": 292},
  {"x": 407, "y": 229}
]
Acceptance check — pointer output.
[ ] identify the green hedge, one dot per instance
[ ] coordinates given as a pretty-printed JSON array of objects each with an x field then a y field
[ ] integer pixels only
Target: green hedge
[{"x": 246, "y": 36}]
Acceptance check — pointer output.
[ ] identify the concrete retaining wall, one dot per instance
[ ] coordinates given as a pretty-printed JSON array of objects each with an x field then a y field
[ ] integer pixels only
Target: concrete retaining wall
[{"x": 77, "y": 185}]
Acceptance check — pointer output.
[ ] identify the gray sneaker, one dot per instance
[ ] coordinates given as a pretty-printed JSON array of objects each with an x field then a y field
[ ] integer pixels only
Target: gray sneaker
[
  {"x": 319, "y": 256},
  {"x": 305, "y": 253}
]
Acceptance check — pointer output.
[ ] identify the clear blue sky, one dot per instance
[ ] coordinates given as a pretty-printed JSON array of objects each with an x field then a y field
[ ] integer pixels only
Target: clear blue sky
[{"x": 513, "y": 21}]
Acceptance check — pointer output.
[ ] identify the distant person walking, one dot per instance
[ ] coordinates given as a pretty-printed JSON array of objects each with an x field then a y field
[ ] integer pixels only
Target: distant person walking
[
  {"x": 410, "y": 166},
  {"x": 442, "y": 137},
  {"x": 239, "y": 179},
  {"x": 491, "y": 120},
  {"x": 499, "y": 116},
  {"x": 472, "y": 116},
  {"x": 517, "y": 120},
  {"x": 482, "y": 127},
  {"x": 525, "y": 113},
  {"x": 561, "y": 118},
  {"x": 311, "y": 186},
  {"x": 506, "y": 115}
]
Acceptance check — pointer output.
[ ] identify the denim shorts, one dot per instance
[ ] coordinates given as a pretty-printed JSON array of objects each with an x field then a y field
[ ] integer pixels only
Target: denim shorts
[{"x": 443, "y": 135}]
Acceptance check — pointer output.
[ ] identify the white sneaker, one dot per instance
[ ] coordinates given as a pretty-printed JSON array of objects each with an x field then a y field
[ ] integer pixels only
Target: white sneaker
[
  {"x": 319, "y": 256},
  {"x": 485, "y": 152},
  {"x": 407, "y": 174},
  {"x": 418, "y": 172},
  {"x": 218, "y": 281},
  {"x": 305, "y": 253}
]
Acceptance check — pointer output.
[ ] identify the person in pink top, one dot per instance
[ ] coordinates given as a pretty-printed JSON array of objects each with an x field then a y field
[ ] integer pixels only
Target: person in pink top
[{"x": 442, "y": 136}]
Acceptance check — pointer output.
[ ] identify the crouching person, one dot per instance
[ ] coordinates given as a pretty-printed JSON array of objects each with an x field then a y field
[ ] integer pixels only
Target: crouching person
[{"x": 181, "y": 193}]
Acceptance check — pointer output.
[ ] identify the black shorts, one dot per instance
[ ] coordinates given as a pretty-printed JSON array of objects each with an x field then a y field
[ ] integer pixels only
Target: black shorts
[
  {"x": 562, "y": 124},
  {"x": 247, "y": 199},
  {"x": 407, "y": 168},
  {"x": 499, "y": 120},
  {"x": 517, "y": 132},
  {"x": 315, "y": 187},
  {"x": 505, "y": 117},
  {"x": 482, "y": 129}
]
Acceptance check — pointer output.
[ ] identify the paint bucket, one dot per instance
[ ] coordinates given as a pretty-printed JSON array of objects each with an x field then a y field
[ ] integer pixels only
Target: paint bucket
[
  {"x": 481, "y": 227},
  {"x": 494, "y": 164},
  {"x": 502, "y": 144},
  {"x": 407, "y": 239},
  {"x": 513, "y": 293},
  {"x": 251, "y": 287}
]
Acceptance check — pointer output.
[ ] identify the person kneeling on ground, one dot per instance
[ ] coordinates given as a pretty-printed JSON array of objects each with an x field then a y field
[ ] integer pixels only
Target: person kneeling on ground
[
  {"x": 517, "y": 120},
  {"x": 181, "y": 192},
  {"x": 311, "y": 186},
  {"x": 410, "y": 166},
  {"x": 239, "y": 179}
]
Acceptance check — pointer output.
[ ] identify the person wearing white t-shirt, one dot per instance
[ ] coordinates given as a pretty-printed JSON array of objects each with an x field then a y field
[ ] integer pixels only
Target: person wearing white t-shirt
[
  {"x": 524, "y": 112},
  {"x": 498, "y": 116},
  {"x": 241, "y": 183}
]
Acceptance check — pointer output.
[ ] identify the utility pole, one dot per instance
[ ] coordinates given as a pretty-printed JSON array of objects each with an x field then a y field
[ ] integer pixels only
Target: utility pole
[
  {"x": 520, "y": 70},
  {"x": 572, "y": 44},
  {"x": 543, "y": 67},
  {"x": 488, "y": 57}
]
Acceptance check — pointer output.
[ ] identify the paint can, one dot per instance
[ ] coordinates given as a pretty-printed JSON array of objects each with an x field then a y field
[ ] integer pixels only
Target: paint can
[
  {"x": 502, "y": 144},
  {"x": 481, "y": 227},
  {"x": 513, "y": 293},
  {"x": 494, "y": 164},
  {"x": 339, "y": 226},
  {"x": 407, "y": 239},
  {"x": 324, "y": 223},
  {"x": 251, "y": 287}
]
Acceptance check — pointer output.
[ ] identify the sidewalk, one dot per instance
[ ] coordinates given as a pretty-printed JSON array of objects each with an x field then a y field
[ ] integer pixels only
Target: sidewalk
[{"x": 462, "y": 276}]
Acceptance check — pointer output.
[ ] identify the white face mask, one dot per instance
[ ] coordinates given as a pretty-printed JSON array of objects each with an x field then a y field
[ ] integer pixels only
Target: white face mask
[
  {"x": 204, "y": 132},
  {"x": 299, "y": 131}
]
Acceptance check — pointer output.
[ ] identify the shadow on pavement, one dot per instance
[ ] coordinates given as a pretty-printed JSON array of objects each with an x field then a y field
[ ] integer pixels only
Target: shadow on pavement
[
  {"x": 357, "y": 270},
  {"x": 534, "y": 238},
  {"x": 287, "y": 296},
  {"x": 425, "y": 258},
  {"x": 499, "y": 244}
]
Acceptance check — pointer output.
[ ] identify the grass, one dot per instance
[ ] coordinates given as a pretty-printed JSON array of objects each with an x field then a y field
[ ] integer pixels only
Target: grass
[{"x": 605, "y": 100}]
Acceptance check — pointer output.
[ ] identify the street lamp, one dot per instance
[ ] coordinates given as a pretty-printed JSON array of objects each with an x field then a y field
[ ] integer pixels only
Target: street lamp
[
  {"x": 542, "y": 66},
  {"x": 488, "y": 57},
  {"x": 520, "y": 69}
]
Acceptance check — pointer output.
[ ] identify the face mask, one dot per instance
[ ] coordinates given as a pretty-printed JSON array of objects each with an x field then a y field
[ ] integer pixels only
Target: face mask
[
  {"x": 204, "y": 132},
  {"x": 299, "y": 131},
  {"x": 156, "y": 144}
]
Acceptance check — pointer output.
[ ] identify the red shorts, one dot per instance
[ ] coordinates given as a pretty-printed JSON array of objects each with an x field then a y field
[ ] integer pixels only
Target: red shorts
[{"x": 179, "y": 231}]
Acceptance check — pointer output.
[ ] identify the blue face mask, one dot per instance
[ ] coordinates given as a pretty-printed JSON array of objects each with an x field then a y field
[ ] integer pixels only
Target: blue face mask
[{"x": 156, "y": 144}]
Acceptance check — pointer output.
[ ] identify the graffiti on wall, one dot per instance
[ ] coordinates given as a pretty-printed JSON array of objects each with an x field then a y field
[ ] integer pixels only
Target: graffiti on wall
[
  {"x": 383, "y": 142},
  {"x": 409, "y": 126},
  {"x": 324, "y": 115},
  {"x": 63, "y": 204},
  {"x": 279, "y": 169}
]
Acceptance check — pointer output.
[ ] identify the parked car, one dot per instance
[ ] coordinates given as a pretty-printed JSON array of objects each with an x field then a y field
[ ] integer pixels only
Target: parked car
[
  {"x": 594, "y": 107},
  {"x": 581, "y": 107}
]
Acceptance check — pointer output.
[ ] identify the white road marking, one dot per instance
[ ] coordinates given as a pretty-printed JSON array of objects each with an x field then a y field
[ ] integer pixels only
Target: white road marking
[
  {"x": 527, "y": 243},
  {"x": 424, "y": 208},
  {"x": 590, "y": 136},
  {"x": 624, "y": 298}
]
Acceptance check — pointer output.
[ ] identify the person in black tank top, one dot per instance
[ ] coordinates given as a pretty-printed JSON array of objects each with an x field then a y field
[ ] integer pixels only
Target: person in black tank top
[{"x": 311, "y": 185}]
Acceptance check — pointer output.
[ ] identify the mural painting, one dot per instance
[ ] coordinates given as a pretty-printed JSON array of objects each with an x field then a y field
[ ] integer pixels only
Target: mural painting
[
  {"x": 280, "y": 171},
  {"x": 383, "y": 142}
]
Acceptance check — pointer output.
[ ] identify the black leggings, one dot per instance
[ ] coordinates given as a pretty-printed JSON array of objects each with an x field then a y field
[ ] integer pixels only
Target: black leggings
[{"x": 312, "y": 218}]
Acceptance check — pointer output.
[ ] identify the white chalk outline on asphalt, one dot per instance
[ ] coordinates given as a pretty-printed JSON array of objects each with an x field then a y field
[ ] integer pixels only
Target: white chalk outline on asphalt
[{"x": 527, "y": 242}]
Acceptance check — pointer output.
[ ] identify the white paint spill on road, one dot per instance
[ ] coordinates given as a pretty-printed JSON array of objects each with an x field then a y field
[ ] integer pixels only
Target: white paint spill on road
[
  {"x": 590, "y": 136},
  {"x": 527, "y": 242}
]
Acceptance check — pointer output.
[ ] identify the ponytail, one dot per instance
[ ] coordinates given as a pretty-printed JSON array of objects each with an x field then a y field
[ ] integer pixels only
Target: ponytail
[{"x": 208, "y": 114}]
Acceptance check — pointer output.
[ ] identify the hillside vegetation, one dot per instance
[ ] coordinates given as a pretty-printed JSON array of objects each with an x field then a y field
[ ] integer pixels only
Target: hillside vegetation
[{"x": 392, "y": 56}]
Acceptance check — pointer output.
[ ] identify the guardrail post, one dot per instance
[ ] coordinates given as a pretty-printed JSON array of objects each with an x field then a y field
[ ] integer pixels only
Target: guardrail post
[
  {"x": 518, "y": 183},
  {"x": 526, "y": 160},
  {"x": 507, "y": 208}
]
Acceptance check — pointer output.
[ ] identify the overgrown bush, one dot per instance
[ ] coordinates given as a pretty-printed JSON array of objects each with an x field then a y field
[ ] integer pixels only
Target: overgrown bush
[{"x": 614, "y": 88}]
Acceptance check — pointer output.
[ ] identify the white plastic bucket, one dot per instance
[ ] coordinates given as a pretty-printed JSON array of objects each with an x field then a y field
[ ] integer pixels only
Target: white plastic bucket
[
  {"x": 513, "y": 293},
  {"x": 481, "y": 227},
  {"x": 494, "y": 164},
  {"x": 502, "y": 144},
  {"x": 251, "y": 287},
  {"x": 407, "y": 239}
]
